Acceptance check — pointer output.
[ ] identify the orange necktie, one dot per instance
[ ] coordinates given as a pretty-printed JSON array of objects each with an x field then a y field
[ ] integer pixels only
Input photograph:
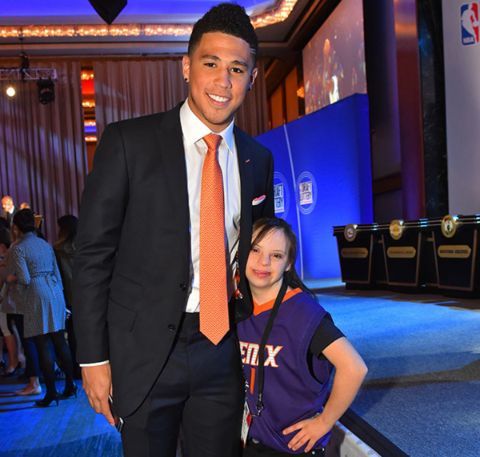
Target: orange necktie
[{"x": 213, "y": 268}]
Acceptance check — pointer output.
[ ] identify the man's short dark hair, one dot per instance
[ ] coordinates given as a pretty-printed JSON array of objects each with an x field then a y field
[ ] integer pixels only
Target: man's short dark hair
[{"x": 226, "y": 18}]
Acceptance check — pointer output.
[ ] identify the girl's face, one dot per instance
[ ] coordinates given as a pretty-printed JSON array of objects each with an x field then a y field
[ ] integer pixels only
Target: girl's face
[{"x": 267, "y": 261}]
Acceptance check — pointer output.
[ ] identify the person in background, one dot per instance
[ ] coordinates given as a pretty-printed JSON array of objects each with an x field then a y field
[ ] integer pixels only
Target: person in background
[
  {"x": 166, "y": 212},
  {"x": 64, "y": 249},
  {"x": 44, "y": 317},
  {"x": 8, "y": 336},
  {"x": 16, "y": 301},
  {"x": 292, "y": 410},
  {"x": 8, "y": 208}
]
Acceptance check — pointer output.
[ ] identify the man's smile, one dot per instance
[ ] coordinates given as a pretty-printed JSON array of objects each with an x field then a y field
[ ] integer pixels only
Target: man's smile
[{"x": 218, "y": 99}]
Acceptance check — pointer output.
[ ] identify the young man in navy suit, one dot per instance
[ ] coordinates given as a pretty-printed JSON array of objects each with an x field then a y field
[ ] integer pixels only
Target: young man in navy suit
[{"x": 136, "y": 275}]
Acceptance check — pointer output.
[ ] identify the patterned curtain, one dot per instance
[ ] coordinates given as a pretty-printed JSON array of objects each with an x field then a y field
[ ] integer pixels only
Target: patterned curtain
[{"x": 42, "y": 150}]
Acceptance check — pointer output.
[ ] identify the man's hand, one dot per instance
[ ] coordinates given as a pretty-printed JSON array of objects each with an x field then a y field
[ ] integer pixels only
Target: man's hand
[{"x": 97, "y": 383}]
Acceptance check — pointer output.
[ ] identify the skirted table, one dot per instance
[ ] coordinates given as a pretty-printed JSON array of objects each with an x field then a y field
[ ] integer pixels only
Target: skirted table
[
  {"x": 457, "y": 253},
  {"x": 362, "y": 260}
]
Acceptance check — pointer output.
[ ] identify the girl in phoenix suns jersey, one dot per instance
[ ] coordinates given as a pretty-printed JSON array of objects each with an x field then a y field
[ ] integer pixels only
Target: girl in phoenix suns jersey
[{"x": 289, "y": 347}]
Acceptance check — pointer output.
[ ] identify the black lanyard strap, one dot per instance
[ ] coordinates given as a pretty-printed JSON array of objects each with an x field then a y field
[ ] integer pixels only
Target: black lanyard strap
[{"x": 261, "y": 351}]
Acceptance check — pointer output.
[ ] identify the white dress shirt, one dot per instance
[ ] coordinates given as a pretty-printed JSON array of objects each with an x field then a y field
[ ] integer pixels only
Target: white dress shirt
[{"x": 195, "y": 151}]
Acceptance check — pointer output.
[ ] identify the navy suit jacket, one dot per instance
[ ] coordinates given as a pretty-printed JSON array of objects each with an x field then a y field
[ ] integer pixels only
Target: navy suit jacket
[{"x": 132, "y": 269}]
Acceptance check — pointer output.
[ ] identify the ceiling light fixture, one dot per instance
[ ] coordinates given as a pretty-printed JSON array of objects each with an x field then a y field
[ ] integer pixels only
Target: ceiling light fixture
[{"x": 278, "y": 14}]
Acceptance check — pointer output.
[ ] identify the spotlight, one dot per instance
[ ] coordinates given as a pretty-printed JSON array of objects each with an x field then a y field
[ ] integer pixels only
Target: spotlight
[
  {"x": 46, "y": 91},
  {"x": 11, "y": 92}
]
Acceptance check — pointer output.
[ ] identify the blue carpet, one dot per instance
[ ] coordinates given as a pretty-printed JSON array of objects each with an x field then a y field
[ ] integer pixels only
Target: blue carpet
[
  {"x": 72, "y": 429},
  {"x": 422, "y": 390},
  {"x": 423, "y": 352}
]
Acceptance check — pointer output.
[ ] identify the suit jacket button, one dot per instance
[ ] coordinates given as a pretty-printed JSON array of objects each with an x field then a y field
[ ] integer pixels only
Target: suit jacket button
[
  {"x": 183, "y": 286},
  {"x": 172, "y": 327}
]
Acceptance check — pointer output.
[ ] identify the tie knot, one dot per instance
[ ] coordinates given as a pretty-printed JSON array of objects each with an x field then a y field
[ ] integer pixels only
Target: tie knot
[{"x": 212, "y": 141}]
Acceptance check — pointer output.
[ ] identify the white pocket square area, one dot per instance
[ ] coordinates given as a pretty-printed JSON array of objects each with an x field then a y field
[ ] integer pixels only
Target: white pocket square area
[{"x": 256, "y": 201}]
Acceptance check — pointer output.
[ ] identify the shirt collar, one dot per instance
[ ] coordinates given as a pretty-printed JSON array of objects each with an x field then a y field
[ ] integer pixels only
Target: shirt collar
[
  {"x": 194, "y": 129},
  {"x": 259, "y": 308}
]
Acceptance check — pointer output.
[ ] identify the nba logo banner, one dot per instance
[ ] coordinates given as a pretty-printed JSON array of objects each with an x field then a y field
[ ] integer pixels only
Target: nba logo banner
[{"x": 469, "y": 23}]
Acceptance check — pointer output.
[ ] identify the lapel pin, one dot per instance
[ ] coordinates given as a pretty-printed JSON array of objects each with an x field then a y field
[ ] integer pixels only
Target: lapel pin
[{"x": 247, "y": 161}]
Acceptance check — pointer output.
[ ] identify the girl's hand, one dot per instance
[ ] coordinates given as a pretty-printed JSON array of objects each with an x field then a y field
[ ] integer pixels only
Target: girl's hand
[{"x": 309, "y": 432}]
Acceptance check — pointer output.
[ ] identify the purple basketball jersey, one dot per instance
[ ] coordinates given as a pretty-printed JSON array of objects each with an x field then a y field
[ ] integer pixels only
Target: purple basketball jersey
[{"x": 290, "y": 392}]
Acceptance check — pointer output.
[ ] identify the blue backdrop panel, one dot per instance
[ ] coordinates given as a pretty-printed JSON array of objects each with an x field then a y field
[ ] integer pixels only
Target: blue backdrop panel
[
  {"x": 283, "y": 180},
  {"x": 329, "y": 153}
]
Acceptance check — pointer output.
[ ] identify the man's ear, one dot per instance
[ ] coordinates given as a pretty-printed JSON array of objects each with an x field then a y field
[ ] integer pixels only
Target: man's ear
[
  {"x": 186, "y": 68},
  {"x": 253, "y": 76}
]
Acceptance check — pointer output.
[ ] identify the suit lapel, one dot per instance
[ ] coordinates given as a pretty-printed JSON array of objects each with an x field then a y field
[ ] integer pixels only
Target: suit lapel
[
  {"x": 170, "y": 144},
  {"x": 245, "y": 165}
]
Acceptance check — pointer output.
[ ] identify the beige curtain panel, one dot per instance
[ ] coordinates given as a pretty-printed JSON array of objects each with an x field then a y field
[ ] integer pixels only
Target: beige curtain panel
[
  {"x": 42, "y": 150},
  {"x": 131, "y": 88}
]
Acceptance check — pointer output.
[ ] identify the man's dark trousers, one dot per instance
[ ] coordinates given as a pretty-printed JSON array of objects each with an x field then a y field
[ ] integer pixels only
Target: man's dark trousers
[{"x": 200, "y": 390}]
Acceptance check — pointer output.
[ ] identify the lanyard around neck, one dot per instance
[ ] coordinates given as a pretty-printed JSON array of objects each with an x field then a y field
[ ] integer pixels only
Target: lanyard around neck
[{"x": 261, "y": 351}]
